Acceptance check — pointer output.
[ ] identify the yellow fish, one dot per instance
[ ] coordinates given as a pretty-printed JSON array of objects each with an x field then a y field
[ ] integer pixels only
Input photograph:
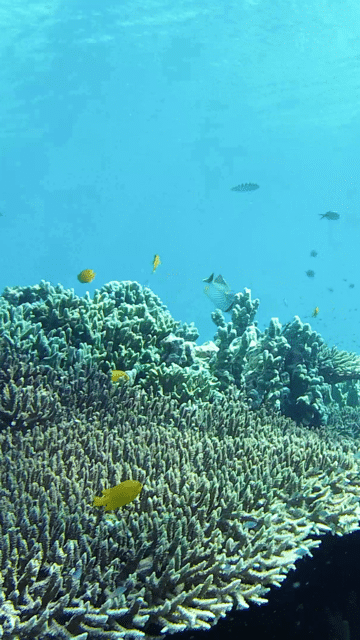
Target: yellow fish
[
  {"x": 117, "y": 374},
  {"x": 86, "y": 275},
  {"x": 156, "y": 261},
  {"x": 119, "y": 495},
  {"x": 315, "y": 312}
]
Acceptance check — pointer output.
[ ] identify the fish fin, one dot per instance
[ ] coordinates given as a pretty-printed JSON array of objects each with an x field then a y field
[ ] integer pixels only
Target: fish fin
[
  {"x": 219, "y": 280},
  {"x": 209, "y": 279},
  {"x": 232, "y": 300}
]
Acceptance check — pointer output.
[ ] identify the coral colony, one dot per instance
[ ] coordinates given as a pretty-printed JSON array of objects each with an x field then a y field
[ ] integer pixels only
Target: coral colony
[{"x": 237, "y": 482}]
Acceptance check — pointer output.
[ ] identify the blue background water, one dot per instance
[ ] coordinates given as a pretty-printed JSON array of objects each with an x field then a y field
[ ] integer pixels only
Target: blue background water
[{"x": 125, "y": 124}]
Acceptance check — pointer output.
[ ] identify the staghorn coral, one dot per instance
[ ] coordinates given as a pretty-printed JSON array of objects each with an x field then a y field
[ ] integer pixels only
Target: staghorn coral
[
  {"x": 26, "y": 394},
  {"x": 231, "y": 499},
  {"x": 33, "y": 394}
]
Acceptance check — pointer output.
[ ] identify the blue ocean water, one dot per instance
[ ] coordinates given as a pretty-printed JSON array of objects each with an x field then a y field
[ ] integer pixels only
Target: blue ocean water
[{"x": 124, "y": 126}]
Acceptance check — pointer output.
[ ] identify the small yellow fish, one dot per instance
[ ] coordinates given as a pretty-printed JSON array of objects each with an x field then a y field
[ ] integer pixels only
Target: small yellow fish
[
  {"x": 156, "y": 261},
  {"x": 119, "y": 495},
  {"x": 86, "y": 275},
  {"x": 117, "y": 374},
  {"x": 315, "y": 312}
]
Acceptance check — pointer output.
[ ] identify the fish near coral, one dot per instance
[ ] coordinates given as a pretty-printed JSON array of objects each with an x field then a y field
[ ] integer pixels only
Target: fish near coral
[
  {"x": 86, "y": 275},
  {"x": 117, "y": 374},
  {"x": 119, "y": 495},
  {"x": 330, "y": 215},
  {"x": 156, "y": 261},
  {"x": 219, "y": 292},
  {"x": 315, "y": 312}
]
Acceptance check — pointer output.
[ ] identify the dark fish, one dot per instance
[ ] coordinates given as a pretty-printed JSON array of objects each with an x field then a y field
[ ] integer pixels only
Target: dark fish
[
  {"x": 330, "y": 215},
  {"x": 248, "y": 186},
  {"x": 219, "y": 292},
  {"x": 310, "y": 273},
  {"x": 351, "y": 286},
  {"x": 313, "y": 253}
]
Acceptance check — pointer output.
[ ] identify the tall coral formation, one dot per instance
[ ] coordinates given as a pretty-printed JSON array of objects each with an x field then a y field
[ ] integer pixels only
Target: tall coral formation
[{"x": 288, "y": 368}]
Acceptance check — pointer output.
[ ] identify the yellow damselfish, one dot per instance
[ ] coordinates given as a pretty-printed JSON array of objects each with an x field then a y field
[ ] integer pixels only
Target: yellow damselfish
[
  {"x": 117, "y": 374},
  {"x": 119, "y": 495}
]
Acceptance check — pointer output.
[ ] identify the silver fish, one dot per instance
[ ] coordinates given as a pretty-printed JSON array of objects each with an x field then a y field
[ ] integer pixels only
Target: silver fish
[{"x": 219, "y": 292}]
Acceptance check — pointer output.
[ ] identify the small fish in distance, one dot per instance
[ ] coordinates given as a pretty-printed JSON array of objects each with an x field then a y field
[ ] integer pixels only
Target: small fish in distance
[
  {"x": 313, "y": 253},
  {"x": 156, "y": 261},
  {"x": 310, "y": 273},
  {"x": 248, "y": 186},
  {"x": 219, "y": 292},
  {"x": 330, "y": 215}
]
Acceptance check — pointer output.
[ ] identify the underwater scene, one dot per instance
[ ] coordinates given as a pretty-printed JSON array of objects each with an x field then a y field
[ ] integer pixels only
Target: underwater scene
[{"x": 180, "y": 320}]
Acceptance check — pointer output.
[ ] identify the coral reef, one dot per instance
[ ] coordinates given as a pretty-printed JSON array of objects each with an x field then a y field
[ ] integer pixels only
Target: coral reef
[
  {"x": 230, "y": 500},
  {"x": 124, "y": 327},
  {"x": 231, "y": 496},
  {"x": 288, "y": 368}
]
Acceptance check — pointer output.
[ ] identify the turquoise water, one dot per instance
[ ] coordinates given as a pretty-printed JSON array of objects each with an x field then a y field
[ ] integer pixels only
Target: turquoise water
[{"x": 124, "y": 126}]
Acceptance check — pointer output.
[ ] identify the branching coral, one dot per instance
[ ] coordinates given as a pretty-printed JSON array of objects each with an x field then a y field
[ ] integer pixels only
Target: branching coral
[
  {"x": 124, "y": 327},
  {"x": 230, "y": 501},
  {"x": 338, "y": 366}
]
